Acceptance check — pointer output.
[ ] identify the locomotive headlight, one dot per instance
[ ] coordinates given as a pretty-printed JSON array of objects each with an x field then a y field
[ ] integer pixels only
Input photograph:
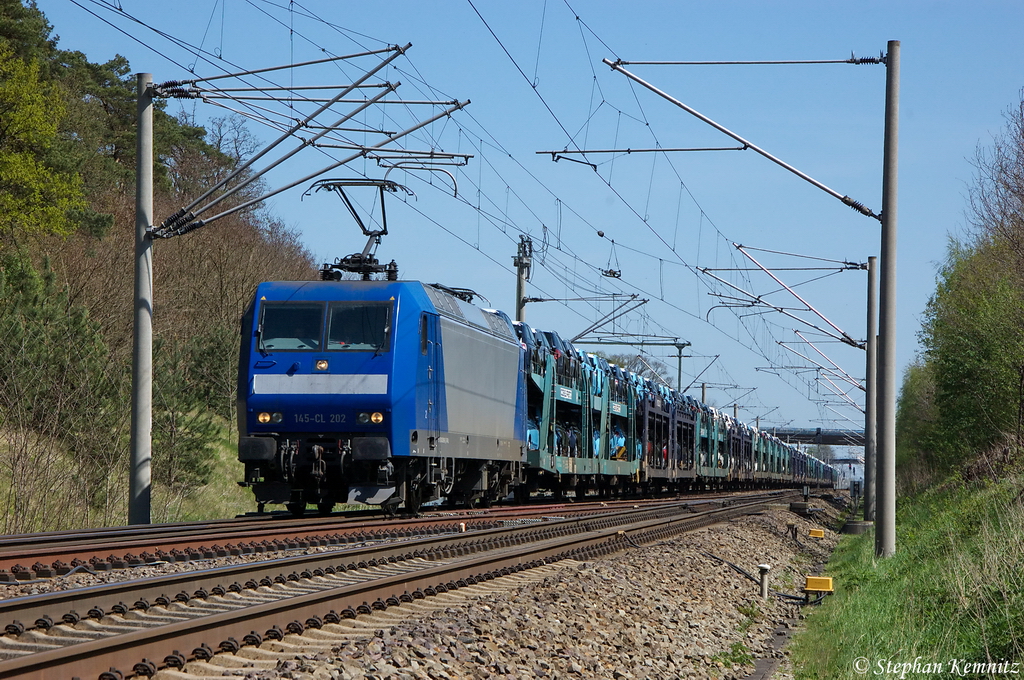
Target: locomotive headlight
[
  {"x": 276, "y": 417},
  {"x": 363, "y": 418},
  {"x": 263, "y": 418},
  {"x": 377, "y": 418},
  {"x": 321, "y": 364}
]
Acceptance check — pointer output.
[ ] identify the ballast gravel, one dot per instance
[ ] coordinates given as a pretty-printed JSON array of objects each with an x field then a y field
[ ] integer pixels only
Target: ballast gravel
[{"x": 675, "y": 609}]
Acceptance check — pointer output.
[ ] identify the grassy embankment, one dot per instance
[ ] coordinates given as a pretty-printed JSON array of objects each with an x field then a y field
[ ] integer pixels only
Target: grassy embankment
[
  {"x": 954, "y": 589},
  {"x": 221, "y": 497}
]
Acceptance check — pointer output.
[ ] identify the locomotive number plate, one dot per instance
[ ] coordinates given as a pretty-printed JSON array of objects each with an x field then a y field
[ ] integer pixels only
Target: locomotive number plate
[{"x": 319, "y": 418}]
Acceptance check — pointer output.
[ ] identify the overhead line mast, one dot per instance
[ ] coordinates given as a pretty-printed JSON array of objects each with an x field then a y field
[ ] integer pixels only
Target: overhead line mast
[
  {"x": 187, "y": 218},
  {"x": 886, "y": 349}
]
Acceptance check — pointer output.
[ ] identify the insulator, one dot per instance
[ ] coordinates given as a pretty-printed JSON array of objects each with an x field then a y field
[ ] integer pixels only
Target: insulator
[
  {"x": 180, "y": 93},
  {"x": 858, "y": 206},
  {"x": 173, "y": 220}
]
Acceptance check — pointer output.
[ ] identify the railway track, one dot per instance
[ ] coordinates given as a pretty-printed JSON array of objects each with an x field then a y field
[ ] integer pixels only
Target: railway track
[
  {"x": 33, "y": 556},
  {"x": 138, "y": 627}
]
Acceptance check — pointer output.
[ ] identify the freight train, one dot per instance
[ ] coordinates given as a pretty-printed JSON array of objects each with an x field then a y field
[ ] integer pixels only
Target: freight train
[{"x": 397, "y": 393}]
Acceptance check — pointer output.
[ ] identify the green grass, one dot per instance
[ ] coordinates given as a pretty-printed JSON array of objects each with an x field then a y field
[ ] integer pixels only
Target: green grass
[
  {"x": 220, "y": 498},
  {"x": 738, "y": 655},
  {"x": 954, "y": 589},
  {"x": 751, "y": 612}
]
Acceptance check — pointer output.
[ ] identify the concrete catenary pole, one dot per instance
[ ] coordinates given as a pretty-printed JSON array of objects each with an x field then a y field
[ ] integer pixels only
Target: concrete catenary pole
[
  {"x": 142, "y": 344},
  {"x": 870, "y": 380},
  {"x": 885, "y": 487}
]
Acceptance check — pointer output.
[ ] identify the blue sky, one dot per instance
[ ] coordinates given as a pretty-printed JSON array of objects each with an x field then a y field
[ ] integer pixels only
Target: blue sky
[{"x": 533, "y": 72}]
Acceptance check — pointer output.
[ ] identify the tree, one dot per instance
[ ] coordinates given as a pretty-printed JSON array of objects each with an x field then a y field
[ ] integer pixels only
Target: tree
[
  {"x": 963, "y": 396},
  {"x": 997, "y": 196},
  {"x": 61, "y": 430},
  {"x": 973, "y": 337},
  {"x": 645, "y": 366},
  {"x": 184, "y": 431},
  {"x": 823, "y": 452},
  {"x": 919, "y": 444},
  {"x": 25, "y": 30},
  {"x": 67, "y": 168},
  {"x": 35, "y": 196}
]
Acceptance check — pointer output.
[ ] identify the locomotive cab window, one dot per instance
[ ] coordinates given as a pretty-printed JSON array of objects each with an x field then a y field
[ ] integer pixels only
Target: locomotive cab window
[
  {"x": 291, "y": 326},
  {"x": 359, "y": 326}
]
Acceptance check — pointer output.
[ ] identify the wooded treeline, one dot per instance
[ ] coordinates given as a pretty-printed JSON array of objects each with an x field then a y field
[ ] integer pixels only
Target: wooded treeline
[
  {"x": 961, "y": 408},
  {"x": 67, "y": 202}
]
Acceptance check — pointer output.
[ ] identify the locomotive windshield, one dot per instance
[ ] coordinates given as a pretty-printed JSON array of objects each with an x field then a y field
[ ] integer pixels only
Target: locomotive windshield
[
  {"x": 292, "y": 325},
  {"x": 359, "y": 326}
]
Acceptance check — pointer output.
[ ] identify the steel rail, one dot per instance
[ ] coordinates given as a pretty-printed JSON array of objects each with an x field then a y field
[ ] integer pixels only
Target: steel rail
[
  {"x": 25, "y": 549},
  {"x": 106, "y": 597},
  {"x": 590, "y": 538}
]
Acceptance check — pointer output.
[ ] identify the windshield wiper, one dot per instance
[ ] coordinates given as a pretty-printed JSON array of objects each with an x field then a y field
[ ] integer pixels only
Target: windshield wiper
[
  {"x": 383, "y": 341},
  {"x": 259, "y": 340}
]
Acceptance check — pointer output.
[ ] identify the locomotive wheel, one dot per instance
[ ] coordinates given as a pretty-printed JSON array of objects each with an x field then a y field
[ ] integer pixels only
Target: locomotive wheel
[{"x": 297, "y": 509}]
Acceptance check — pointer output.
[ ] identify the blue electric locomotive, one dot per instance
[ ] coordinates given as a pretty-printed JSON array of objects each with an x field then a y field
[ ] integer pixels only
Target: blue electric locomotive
[
  {"x": 377, "y": 392},
  {"x": 397, "y": 392}
]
